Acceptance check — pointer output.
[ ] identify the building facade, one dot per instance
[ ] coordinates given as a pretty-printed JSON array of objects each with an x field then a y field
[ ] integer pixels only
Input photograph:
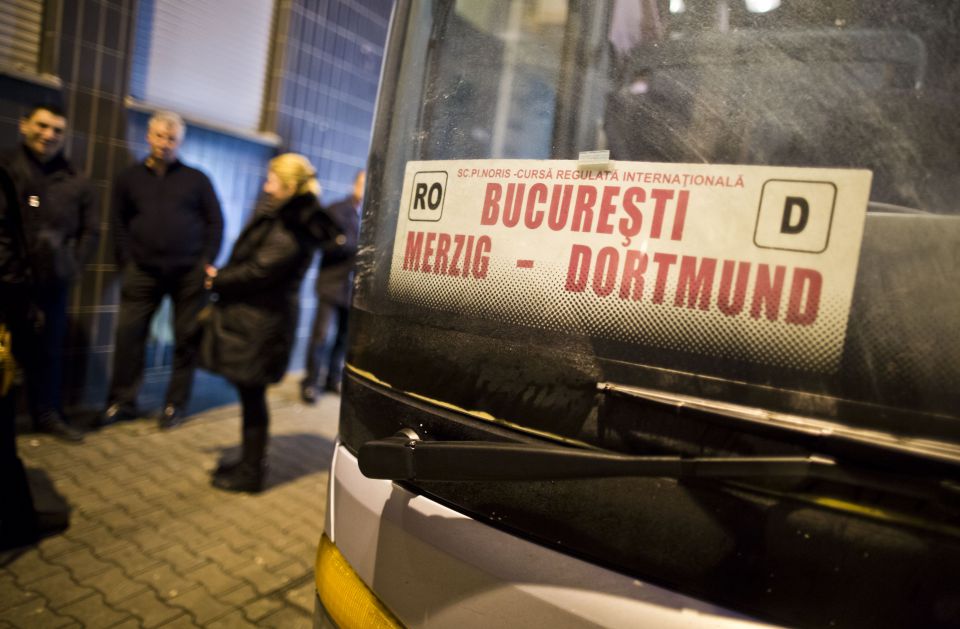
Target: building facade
[{"x": 252, "y": 78}]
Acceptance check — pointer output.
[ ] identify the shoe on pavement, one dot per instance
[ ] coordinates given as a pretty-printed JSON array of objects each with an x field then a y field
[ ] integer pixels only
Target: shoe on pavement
[
  {"x": 309, "y": 394},
  {"x": 53, "y": 423},
  {"x": 171, "y": 417},
  {"x": 227, "y": 467},
  {"x": 333, "y": 386},
  {"x": 244, "y": 476},
  {"x": 117, "y": 412}
]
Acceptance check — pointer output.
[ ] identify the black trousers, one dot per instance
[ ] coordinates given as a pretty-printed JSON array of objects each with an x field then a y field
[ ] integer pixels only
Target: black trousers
[
  {"x": 326, "y": 352},
  {"x": 141, "y": 294},
  {"x": 18, "y": 520}
]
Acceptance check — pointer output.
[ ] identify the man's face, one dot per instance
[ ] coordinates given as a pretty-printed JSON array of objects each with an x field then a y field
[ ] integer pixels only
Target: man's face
[
  {"x": 164, "y": 140},
  {"x": 43, "y": 133}
]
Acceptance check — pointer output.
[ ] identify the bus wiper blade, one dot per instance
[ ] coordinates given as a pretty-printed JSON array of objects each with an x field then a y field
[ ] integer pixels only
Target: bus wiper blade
[
  {"x": 828, "y": 437},
  {"x": 405, "y": 456}
]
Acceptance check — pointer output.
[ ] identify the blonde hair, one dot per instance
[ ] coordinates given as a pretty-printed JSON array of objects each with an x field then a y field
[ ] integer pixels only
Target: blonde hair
[{"x": 297, "y": 172}]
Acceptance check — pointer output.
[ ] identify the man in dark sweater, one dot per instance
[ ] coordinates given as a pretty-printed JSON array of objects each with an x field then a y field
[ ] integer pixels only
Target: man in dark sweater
[
  {"x": 326, "y": 351},
  {"x": 167, "y": 229},
  {"x": 59, "y": 226}
]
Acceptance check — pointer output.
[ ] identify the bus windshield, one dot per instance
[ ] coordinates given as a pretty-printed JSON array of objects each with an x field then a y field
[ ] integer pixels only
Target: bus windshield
[{"x": 858, "y": 84}]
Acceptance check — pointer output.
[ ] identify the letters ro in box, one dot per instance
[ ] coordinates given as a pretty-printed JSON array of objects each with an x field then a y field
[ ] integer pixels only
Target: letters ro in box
[
  {"x": 427, "y": 194},
  {"x": 795, "y": 215}
]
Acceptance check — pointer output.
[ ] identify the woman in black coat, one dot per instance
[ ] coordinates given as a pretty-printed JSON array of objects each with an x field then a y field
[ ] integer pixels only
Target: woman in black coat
[{"x": 252, "y": 326}]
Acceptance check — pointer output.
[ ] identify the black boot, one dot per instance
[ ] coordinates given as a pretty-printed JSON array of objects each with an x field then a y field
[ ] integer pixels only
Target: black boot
[
  {"x": 227, "y": 467},
  {"x": 249, "y": 473}
]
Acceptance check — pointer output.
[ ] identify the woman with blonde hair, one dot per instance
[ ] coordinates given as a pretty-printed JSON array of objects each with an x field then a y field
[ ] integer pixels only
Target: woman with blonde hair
[{"x": 250, "y": 330}]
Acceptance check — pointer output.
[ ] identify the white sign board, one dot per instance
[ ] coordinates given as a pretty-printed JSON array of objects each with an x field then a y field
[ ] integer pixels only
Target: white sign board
[{"x": 752, "y": 263}]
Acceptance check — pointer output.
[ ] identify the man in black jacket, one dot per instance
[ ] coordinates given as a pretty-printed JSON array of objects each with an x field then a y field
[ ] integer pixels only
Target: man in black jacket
[
  {"x": 334, "y": 291},
  {"x": 167, "y": 228},
  {"x": 59, "y": 223},
  {"x": 47, "y": 229}
]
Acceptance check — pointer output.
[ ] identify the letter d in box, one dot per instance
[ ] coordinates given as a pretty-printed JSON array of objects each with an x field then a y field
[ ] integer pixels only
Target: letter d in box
[
  {"x": 427, "y": 195},
  {"x": 795, "y": 215}
]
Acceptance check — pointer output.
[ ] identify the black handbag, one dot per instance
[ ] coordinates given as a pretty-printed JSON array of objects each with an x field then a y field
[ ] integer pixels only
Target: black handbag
[{"x": 209, "y": 324}]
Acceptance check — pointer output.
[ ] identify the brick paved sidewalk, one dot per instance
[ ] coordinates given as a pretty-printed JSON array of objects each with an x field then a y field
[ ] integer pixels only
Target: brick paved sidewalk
[{"x": 152, "y": 544}]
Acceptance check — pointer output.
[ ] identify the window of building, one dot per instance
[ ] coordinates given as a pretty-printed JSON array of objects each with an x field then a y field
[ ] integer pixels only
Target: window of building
[{"x": 205, "y": 59}]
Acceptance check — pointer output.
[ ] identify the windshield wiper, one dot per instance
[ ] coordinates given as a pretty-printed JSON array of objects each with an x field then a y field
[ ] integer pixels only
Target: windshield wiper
[
  {"x": 886, "y": 451},
  {"x": 405, "y": 456}
]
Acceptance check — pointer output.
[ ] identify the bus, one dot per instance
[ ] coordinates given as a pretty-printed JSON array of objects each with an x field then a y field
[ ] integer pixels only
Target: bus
[{"x": 655, "y": 321}]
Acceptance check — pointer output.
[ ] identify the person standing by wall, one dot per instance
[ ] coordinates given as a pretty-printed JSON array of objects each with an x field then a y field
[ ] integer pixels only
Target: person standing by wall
[
  {"x": 60, "y": 227},
  {"x": 325, "y": 355},
  {"x": 167, "y": 227},
  {"x": 21, "y": 324},
  {"x": 251, "y": 328}
]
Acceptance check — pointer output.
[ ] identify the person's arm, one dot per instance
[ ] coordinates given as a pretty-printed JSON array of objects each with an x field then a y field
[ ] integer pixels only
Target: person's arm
[
  {"x": 10, "y": 251},
  {"x": 274, "y": 260},
  {"x": 14, "y": 265},
  {"x": 89, "y": 234},
  {"x": 214, "y": 219},
  {"x": 120, "y": 214},
  {"x": 342, "y": 246}
]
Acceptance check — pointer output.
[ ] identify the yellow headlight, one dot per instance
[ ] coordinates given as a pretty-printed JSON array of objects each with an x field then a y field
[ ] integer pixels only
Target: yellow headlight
[{"x": 347, "y": 599}]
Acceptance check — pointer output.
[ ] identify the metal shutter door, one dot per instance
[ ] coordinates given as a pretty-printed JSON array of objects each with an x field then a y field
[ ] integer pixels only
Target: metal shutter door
[{"x": 20, "y": 31}]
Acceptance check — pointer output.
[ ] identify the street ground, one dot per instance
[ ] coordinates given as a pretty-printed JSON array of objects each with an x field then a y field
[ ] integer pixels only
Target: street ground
[{"x": 152, "y": 544}]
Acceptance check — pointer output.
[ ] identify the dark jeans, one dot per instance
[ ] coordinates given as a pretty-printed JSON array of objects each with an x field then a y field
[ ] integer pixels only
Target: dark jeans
[
  {"x": 39, "y": 348},
  {"x": 142, "y": 292},
  {"x": 44, "y": 369},
  {"x": 325, "y": 356}
]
